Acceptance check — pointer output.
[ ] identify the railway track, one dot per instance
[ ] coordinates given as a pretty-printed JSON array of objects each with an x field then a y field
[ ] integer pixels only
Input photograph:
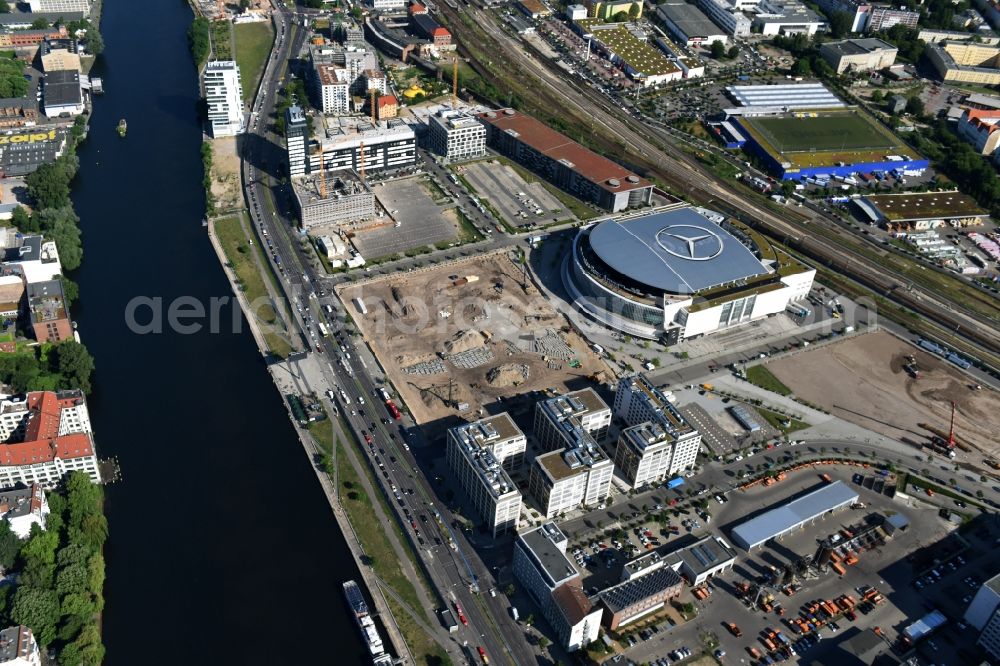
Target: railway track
[{"x": 656, "y": 156}]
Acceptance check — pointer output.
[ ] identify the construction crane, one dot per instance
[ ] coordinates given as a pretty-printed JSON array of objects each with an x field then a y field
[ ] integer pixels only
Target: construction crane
[
  {"x": 361, "y": 166},
  {"x": 373, "y": 91},
  {"x": 322, "y": 177},
  {"x": 946, "y": 439}
]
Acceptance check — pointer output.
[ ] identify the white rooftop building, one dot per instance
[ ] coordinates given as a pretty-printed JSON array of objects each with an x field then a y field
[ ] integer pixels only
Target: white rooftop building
[
  {"x": 224, "y": 94},
  {"x": 456, "y": 135}
]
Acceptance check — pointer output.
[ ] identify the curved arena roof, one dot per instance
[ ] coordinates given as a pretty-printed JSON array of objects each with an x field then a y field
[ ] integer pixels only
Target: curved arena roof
[{"x": 678, "y": 251}]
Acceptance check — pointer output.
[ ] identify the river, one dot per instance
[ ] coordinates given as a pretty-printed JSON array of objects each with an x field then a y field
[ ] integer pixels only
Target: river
[{"x": 223, "y": 548}]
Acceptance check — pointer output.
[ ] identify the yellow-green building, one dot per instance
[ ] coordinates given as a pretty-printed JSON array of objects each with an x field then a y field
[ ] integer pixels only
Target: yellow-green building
[
  {"x": 966, "y": 62},
  {"x": 607, "y": 10}
]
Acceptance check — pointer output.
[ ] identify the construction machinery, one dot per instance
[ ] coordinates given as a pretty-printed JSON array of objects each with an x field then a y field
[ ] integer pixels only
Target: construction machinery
[
  {"x": 946, "y": 439},
  {"x": 911, "y": 367}
]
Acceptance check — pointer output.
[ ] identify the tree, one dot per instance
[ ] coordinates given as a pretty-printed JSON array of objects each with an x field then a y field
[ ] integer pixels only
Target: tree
[
  {"x": 94, "y": 41},
  {"x": 733, "y": 52},
  {"x": 718, "y": 49},
  {"x": 509, "y": 590},
  {"x": 840, "y": 24},
  {"x": 801, "y": 67},
  {"x": 543, "y": 642},
  {"x": 20, "y": 218},
  {"x": 244, "y": 5},
  {"x": 10, "y": 546},
  {"x": 75, "y": 364},
  {"x": 39, "y": 609},
  {"x": 620, "y": 17},
  {"x": 86, "y": 650},
  {"x": 72, "y": 579},
  {"x": 915, "y": 105},
  {"x": 48, "y": 186},
  {"x": 877, "y": 96},
  {"x": 39, "y": 24}
]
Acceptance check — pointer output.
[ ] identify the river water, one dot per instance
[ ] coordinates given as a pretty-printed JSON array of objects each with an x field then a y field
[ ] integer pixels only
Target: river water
[{"x": 223, "y": 548}]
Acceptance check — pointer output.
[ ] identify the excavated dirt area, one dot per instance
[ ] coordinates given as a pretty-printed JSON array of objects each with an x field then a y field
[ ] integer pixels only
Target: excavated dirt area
[
  {"x": 468, "y": 332},
  {"x": 864, "y": 380}
]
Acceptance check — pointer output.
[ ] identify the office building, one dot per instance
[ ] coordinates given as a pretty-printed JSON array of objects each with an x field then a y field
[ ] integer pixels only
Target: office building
[
  {"x": 787, "y": 17},
  {"x": 325, "y": 199},
  {"x": 60, "y": 6},
  {"x": 59, "y": 55},
  {"x": 18, "y": 647},
  {"x": 48, "y": 312},
  {"x": 965, "y": 62},
  {"x": 583, "y": 409},
  {"x": 543, "y": 569},
  {"x": 23, "y": 507},
  {"x": 983, "y": 616},
  {"x": 883, "y": 18},
  {"x": 858, "y": 55},
  {"x": 385, "y": 145},
  {"x": 224, "y": 95},
  {"x": 334, "y": 88},
  {"x": 45, "y": 435},
  {"x": 732, "y": 21},
  {"x": 63, "y": 94},
  {"x": 563, "y": 162},
  {"x": 637, "y": 597},
  {"x": 577, "y": 475},
  {"x": 296, "y": 140},
  {"x": 477, "y": 454},
  {"x": 456, "y": 135}
]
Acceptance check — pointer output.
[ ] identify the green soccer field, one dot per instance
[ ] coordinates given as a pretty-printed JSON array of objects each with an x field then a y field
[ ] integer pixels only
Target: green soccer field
[{"x": 824, "y": 133}]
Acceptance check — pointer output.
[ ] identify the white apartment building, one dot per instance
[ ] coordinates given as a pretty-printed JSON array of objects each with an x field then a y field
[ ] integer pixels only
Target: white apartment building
[
  {"x": 473, "y": 452},
  {"x": 456, "y": 135},
  {"x": 583, "y": 408},
  {"x": 60, "y": 6},
  {"x": 24, "y": 507},
  {"x": 48, "y": 435},
  {"x": 18, "y": 647},
  {"x": 727, "y": 16},
  {"x": 376, "y": 80},
  {"x": 334, "y": 87},
  {"x": 224, "y": 95},
  {"x": 983, "y": 614},
  {"x": 387, "y": 5},
  {"x": 543, "y": 569},
  {"x": 296, "y": 139}
]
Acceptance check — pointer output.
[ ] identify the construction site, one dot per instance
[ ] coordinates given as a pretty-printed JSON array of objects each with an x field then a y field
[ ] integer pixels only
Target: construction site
[
  {"x": 896, "y": 389},
  {"x": 459, "y": 340}
]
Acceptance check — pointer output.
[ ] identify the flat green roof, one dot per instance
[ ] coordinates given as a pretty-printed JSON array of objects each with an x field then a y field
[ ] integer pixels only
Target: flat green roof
[
  {"x": 642, "y": 57},
  {"x": 926, "y": 205}
]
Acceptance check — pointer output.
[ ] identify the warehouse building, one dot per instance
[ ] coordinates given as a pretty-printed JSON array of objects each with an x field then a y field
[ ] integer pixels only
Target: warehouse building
[
  {"x": 563, "y": 162},
  {"x": 470, "y": 452},
  {"x": 923, "y": 210},
  {"x": 791, "y": 516},
  {"x": 688, "y": 24},
  {"x": 858, "y": 55},
  {"x": 638, "y": 59},
  {"x": 341, "y": 199},
  {"x": 63, "y": 95},
  {"x": 673, "y": 273},
  {"x": 23, "y": 151}
]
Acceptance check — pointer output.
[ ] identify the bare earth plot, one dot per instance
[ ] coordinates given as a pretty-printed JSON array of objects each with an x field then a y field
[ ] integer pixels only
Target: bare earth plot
[
  {"x": 226, "y": 175},
  {"x": 862, "y": 380},
  {"x": 477, "y": 342}
]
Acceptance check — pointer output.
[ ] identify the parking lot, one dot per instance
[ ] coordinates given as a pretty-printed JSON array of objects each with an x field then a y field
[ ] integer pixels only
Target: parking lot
[
  {"x": 422, "y": 222},
  {"x": 715, "y": 437},
  {"x": 517, "y": 201}
]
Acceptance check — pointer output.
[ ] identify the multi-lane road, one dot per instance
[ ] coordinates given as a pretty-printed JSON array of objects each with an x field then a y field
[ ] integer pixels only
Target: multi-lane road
[{"x": 458, "y": 575}]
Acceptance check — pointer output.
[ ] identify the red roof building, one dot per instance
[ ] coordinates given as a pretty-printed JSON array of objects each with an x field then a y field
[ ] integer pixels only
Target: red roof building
[{"x": 979, "y": 127}]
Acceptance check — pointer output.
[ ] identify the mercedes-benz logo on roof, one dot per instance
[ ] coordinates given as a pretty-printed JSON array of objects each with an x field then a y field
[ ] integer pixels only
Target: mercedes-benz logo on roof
[{"x": 686, "y": 241}]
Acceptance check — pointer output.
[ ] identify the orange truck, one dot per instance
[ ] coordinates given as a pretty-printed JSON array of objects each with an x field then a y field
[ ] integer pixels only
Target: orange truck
[
  {"x": 832, "y": 607},
  {"x": 851, "y": 559},
  {"x": 734, "y": 630},
  {"x": 839, "y": 568},
  {"x": 754, "y": 652},
  {"x": 834, "y": 557},
  {"x": 825, "y": 477},
  {"x": 870, "y": 594},
  {"x": 770, "y": 644}
]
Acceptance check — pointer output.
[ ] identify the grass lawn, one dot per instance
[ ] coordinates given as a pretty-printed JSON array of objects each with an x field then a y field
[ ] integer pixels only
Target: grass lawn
[
  {"x": 776, "y": 420},
  {"x": 423, "y": 648},
  {"x": 374, "y": 539},
  {"x": 222, "y": 40},
  {"x": 234, "y": 243},
  {"x": 834, "y": 132},
  {"x": 468, "y": 233},
  {"x": 760, "y": 376},
  {"x": 253, "y": 45}
]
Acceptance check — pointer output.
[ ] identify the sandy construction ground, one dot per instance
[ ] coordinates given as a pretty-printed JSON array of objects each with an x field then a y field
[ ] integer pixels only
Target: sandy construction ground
[
  {"x": 862, "y": 380},
  {"x": 478, "y": 342},
  {"x": 226, "y": 175}
]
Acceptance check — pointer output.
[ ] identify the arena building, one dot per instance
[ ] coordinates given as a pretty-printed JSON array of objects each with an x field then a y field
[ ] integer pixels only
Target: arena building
[{"x": 673, "y": 273}]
